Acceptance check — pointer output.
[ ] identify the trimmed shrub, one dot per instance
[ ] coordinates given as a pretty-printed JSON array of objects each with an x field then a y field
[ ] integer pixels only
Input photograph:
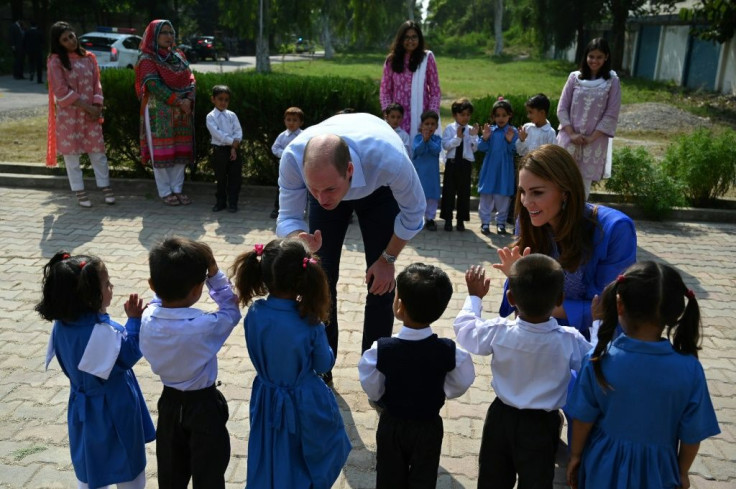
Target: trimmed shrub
[
  {"x": 636, "y": 176},
  {"x": 704, "y": 162},
  {"x": 259, "y": 101}
]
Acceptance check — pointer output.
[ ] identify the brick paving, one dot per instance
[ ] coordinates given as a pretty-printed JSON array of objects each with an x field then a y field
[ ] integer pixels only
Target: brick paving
[{"x": 36, "y": 223}]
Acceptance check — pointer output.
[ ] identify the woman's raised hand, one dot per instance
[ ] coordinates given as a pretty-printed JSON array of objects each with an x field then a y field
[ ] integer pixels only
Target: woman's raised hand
[{"x": 508, "y": 258}]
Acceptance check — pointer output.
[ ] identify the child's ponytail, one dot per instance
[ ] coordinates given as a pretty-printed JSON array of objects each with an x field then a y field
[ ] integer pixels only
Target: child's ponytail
[
  {"x": 248, "y": 275},
  {"x": 606, "y": 331},
  {"x": 71, "y": 287},
  {"x": 683, "y": 318},
  {"x": 687, "y": 335},
  {"x": 315, "y": 292}
]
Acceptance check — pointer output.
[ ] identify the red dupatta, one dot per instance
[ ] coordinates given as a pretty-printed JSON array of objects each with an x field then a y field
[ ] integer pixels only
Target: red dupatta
[{"x": 167, "y": 65}]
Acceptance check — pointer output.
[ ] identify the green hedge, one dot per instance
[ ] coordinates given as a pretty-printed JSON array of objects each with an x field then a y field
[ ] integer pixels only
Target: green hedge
[{"x": 259, "y": 101}]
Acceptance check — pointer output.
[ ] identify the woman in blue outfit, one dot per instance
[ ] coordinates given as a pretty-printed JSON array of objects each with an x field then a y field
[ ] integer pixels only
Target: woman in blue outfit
[
  {"x": 593, "y": 243},
  {"x": 641, "y": 405},
  {"x": 107, "y": 417},
  {"x": 297, "y": 437}
]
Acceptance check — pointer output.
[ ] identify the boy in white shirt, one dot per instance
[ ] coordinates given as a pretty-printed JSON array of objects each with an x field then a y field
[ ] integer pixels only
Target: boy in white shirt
[
  {"x": 393, "y": 115},
  {"x": 293, "y": 120},
  {"x": 532, "y": 359},
  {"x": 226, "y": 133},
  {"x": 538, "y": 131}
]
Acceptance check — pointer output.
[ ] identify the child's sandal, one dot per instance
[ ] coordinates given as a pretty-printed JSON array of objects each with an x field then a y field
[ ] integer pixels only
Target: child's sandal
[
  {"x": 170, "y": 200},
  {"x": 183, "y": 199},
  {"x": 109, "y": 195},
  {"x": 82, "y": 199}
]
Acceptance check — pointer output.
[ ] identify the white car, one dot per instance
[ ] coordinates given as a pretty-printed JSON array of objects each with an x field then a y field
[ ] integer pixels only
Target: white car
[{"x": 112, "y": 49}]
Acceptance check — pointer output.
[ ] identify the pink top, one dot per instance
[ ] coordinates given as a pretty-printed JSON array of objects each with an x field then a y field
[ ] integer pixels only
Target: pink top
[{"x": 396, "y": 87}]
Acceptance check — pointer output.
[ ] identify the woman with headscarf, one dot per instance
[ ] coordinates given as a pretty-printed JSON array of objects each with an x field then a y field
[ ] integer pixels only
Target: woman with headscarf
[{"x": 165, "y": 85}]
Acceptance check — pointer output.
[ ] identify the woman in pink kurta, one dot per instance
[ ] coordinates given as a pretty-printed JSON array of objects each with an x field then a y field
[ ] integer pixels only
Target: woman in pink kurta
[
  {"x": 410, "y": 77},
  {"x": 75, "y": 112},
  {"x": 588, "y": 111}
]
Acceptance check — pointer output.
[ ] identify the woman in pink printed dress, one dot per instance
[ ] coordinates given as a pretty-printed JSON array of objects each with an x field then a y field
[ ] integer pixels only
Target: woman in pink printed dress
[
  {"x": 75, "y": 112},
  {"x": 410, "y": 77}
]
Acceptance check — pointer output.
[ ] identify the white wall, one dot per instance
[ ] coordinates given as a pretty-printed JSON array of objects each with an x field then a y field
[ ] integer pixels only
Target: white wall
[
  {"x": 673, "y": 50},
  {"x": 726, "y": 82}
]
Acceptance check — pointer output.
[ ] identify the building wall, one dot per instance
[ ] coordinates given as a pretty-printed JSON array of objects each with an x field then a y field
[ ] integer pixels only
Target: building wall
[
  {"x": 673, "y": 53},
  {"x": 727, "y": 75}
]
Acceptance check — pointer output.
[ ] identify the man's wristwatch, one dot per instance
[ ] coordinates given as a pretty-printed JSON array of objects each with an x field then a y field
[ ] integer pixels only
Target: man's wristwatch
[{"x": 390, "y": 259}]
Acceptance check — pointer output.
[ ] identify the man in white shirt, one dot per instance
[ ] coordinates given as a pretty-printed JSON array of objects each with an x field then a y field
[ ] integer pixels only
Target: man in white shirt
[{"x": 352, "y": 162}]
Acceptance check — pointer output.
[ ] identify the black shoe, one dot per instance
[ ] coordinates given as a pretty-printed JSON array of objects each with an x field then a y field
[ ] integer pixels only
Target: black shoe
[
  {"x": 501, "y": 229},
  {"x": 218, "y": 207},
  {"x": 378, "y": 406},
  {"x": 460, "y": 226},
  {"x": 448, "y": 225},
  {"x": 274, "y": 214},
  {"x": 430, "y": 225},
  {"x": 326, "y": 378},
  {"x": 232, "y": 208},
  {"x": 485, "y": 229}
]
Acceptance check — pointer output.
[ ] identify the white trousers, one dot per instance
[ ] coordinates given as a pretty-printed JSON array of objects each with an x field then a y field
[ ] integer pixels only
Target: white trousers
[
  {"x": 137, "y": 483},
  {"x": 74, "y": 170},
  {"x": 488, "y": 202},
  {"x": 431, "y": 210},
  {"x": 169, "y": 180}
]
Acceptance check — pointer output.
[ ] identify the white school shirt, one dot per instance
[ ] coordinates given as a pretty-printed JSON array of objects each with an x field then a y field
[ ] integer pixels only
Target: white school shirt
[
  {"x": 535, "y": 137},
  {"x": 531, "y": 363},
  {"x": 405, "y": 139},
  {"x": 181, "y": 344},
  {"x": 379, "y": 160},
  {"x": 450, "y": 142},
  {"x": 224, "y": 127},
  {"x": 457, "y": 380},
  {"x": 283, "y": 140}
]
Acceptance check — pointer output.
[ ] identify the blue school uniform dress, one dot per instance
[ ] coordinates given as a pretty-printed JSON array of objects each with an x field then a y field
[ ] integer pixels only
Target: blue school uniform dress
[
  {"x": 427, "y": 164},
  {"x": 107, "y": 417},
  {"x": 497, "y": 175},
  {"x": 297, "y": 437},
  {"x": 659, "y": 396}
]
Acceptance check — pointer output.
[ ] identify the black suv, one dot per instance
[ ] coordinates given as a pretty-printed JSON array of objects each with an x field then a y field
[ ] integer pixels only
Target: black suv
[{"x": 209, "y": 47}]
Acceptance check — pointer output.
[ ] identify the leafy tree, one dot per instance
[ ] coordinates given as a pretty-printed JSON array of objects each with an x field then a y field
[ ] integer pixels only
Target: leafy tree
[{"x": 713, "y": 20}]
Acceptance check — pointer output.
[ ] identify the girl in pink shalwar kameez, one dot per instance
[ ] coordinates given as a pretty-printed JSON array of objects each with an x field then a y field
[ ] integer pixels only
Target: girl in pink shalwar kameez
[
  {"x": 588, "y": 111},
  {"x": 75, "y": 112}
]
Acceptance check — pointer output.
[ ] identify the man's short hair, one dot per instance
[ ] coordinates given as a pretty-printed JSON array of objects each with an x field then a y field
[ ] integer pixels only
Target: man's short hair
[
  {"x": 176, "y": 266},
  {"x": 424, "y": 291},
  {"x": 536, "y": 282},
  {"x": 338, "y": 155}
]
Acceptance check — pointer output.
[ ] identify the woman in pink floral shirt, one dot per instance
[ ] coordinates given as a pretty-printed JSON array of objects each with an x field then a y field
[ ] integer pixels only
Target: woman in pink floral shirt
[
  {"x": 410, "y": 77},
  {"x": 75, "y": 112}
]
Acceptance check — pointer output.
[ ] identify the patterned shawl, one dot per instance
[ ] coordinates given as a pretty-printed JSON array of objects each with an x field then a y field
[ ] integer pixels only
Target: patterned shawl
[{"x": 167, "y": 65}]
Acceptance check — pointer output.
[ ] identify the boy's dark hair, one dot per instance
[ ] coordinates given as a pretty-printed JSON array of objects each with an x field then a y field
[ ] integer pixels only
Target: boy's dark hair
[
  {"x": 295, "y": 111},
  {"x": 425, "y": 291},
  {"x": 394, "y": 106},
  {"x": 460, "y": 105},
  {"x": 177, "y": 265},
  {"x": 429, "y": 114},
  {"x": 71, "y": 287},
  {"x": 284, "y": 267},
  {"x": 536, "y": 282},
  {"x": 504, "y": 104},
  {"x": 539, "y": 102},
  {"x": 218, "y": 89}
]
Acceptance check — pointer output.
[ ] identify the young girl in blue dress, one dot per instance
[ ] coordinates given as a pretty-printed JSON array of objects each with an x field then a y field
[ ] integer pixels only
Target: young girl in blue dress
[
  {"x": 297, "y": 437},
  {"x": 108, "y": 420},
  {"x": 641, "y": 406},
  {"x": 426, "y": 150},
  {"x": 497, "y": 179}
]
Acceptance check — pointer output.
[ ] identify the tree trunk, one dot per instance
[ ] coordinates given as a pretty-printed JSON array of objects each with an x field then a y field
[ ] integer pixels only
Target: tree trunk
[
  {"x": 580, "y": 41},
  {"x": 410, "y": 9},
  {"x": 263, "y": 63},
  {"x": 327, "y": 35},
  {"x": 498, "y": 26},
  {"x": 619, "y": 12}
]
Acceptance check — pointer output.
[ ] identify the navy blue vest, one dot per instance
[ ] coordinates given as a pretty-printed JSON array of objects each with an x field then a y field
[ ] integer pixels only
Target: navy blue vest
[{"x": 415, "y": 375}]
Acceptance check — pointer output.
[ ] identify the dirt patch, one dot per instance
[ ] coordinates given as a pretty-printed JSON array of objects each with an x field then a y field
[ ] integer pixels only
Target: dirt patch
[{"x": 658, "y": 117}]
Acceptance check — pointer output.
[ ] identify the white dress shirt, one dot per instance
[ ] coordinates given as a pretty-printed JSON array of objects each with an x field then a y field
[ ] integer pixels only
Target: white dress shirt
[
  {"x": 379, "y": 159},
  {"x": 535, "y": 137},
  {"x": 283, "y": 140},
  {"x": 531, "y": 362},
  {"x": 405, "y": 139},
  {"x": 457, "y": 381},
  {"x": 224, "y": 127},
  {"x": 450, "y": 142},
  {"x": 181, "y": 344}
]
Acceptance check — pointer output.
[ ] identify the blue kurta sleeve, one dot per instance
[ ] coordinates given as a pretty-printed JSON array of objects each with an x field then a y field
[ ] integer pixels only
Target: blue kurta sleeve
[
  {"x": 322, "y": 357},
  {"x": 583, "y": 403},
  {"x": 699, "y": 419}
]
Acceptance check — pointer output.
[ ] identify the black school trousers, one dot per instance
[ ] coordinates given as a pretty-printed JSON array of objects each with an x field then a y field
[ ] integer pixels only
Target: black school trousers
[
  {"x": 229, "y": 175},
  {"x": 456, "y": 186}
]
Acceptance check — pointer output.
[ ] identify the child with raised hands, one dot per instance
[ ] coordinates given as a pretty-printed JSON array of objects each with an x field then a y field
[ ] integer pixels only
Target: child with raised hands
[
  {"x": 641, "y": 406},
  {"x": 107, "y": 416},
  {"x": 297, "y": 437}
]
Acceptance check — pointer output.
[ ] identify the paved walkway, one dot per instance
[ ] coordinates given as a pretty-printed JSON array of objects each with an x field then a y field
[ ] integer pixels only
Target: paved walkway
[{"x": 34, "y": 224}]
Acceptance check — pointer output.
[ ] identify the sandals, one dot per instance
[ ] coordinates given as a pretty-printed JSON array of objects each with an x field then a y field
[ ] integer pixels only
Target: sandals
[
  {"x": 83, "y": 199},
  {"x": 109, "y": 195},
  {"x": 183, "y": 199},
  {"x": 170, "y": 200}
]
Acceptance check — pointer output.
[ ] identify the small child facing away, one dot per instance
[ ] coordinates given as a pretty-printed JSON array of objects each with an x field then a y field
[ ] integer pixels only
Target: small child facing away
[
  {"x": 181, "y": 344},
  {"x": 226, "y": 133},
  {"x": 394, "y": 114},
  {"x": 297, "y": 437},
  {"x": 461, "y": 142},
  {"x": 293, "y": 120},
  {"x": 538, "y": 131},
  {"x": 426, "y": 150},
  {"x": 497, "y": 179},
  {"x": 641, "y": 405},
  {"x": 108, "y": 420},
  {"x": 410, "y": 375},
  {"x": 531, "y": 363}
]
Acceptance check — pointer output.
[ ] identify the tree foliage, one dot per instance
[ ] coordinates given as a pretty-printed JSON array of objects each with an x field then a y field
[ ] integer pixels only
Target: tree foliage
[{"x": 713, "y": 20}]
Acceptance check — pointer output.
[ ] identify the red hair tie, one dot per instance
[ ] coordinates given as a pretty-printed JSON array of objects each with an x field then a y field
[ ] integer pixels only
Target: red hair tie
[
  {"x": 65, "y": 256},
  {"x": 308, "y": 260},
  {"x": 500, "y": 98},
  {"x": 620, "y": 278},
  {"x": 690, "y": 294},
  {"x": 258, "y": 249},
  {"x": 82, "y": 264}
]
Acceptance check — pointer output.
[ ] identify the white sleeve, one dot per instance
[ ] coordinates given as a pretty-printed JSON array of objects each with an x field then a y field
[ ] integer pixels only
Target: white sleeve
[
  {"x": 459, "y": 379},
  {"x": 473, "y": 333},
  {"x": 371, "y": 379}
]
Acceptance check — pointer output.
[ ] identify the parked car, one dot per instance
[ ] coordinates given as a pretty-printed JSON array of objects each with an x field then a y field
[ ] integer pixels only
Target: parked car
[
  {"x": 209, "y": 47},
  {"x": 304, "y": 46},
  {"x": 114, "y": 47},
  {"x": 189, "y": 52}
]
